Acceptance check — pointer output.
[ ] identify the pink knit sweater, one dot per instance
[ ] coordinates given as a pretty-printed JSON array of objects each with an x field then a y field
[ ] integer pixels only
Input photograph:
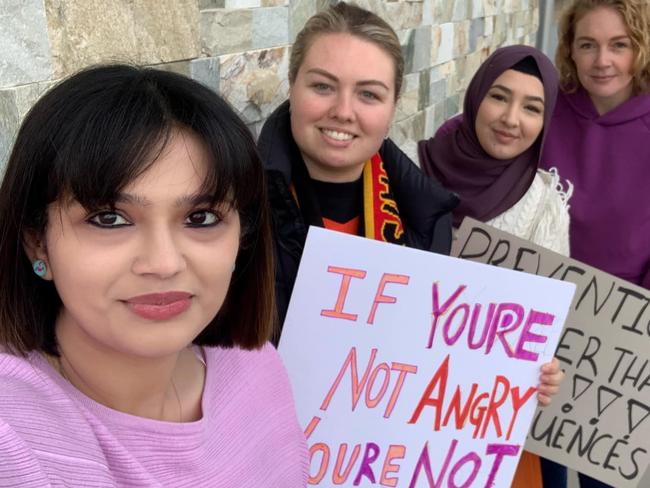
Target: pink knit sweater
[{"x": 53, "y": 435}]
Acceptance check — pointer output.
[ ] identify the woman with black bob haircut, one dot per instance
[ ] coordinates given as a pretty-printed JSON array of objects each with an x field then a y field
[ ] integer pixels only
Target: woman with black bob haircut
[{"x": 136, "y": 293}]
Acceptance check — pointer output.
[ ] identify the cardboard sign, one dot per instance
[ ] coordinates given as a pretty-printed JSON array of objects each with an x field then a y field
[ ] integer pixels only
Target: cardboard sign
[
  {"x": 413, "y": 369},
  {"x": 599, "y": 423}
]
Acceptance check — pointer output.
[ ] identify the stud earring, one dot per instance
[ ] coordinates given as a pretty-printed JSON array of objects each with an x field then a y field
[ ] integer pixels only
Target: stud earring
[{"x": 39, "y": 268}]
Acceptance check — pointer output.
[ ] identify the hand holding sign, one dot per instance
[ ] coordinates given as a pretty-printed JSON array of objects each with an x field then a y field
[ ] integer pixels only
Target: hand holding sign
[{"x": 550, "y": 381}]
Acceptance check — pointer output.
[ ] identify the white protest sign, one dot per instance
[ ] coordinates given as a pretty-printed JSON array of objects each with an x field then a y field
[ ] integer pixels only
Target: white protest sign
[{"x": 414, "y": 369}]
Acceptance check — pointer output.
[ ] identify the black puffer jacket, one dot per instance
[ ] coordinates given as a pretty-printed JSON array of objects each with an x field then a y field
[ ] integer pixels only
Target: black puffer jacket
[{"x": 424, "y": 205}]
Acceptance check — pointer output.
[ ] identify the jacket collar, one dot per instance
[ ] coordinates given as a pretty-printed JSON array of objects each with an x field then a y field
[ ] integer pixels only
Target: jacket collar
[{"x": 276, "y": 145}]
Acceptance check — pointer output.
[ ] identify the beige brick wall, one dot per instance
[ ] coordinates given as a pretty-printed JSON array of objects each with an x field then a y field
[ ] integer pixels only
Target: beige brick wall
[{"x": 240, "y": 48}]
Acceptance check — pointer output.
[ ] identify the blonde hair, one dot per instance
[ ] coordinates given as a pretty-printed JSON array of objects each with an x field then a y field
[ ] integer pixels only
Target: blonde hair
[
  {"x": 636, "y": 16},
  {"x": 353, "y": 20}
]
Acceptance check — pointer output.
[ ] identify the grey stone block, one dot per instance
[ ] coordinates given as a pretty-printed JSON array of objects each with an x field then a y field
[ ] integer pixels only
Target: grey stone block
[
  {"x": 438, "y": 72},
  {"x": 208, "y": 4},
  {"x": 439, "y": 115},
  {"x": 490, "y": 7},
  {"x": 206, "y": 72},
  {"x": 452, "y": 106},
  {"x": 27, "y": 95},
  {"x": 270, "y": 27},
  {"x": 437, "y": 91},
  {"x": 446, "y": 48},
  {"x": 203, "y": 70},
  {"x": 500, "y": 28},
  {"x": 255, "y": 128},
  {"x": 25, "y": 44},
  {"x": 461, "y": 38},
  {"x": 429, "y": 122},
  {"x": 476, "y": 8},
  {"x": 488, "y": 26},
  {"x": 421, "y": 48},
  {"x": 243, "y": 3},
  {"x": 476, "y": 30},
  {"x": 427, "y": 12},
  {"x": 406, "y": 134},
  {"x": 460, "y": 10},
  {"x": 226, "y": 31},
  {"x": 408, "y": 46},
  {"x": 423, "y": 96},
  {"x": 9, "y": 121},
  {"x": 255, "y": 82},
  {"x": 408, "y": 103},
  {"x": 300, "y": 11},
  {"x": 443, "y": 11},
  {"x": 400, "y": 15},
  {"x": 14, "y": 105}
]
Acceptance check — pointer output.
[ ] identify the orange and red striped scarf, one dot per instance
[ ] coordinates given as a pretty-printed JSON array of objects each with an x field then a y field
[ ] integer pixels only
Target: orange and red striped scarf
[{"x": 381, "y": 216}]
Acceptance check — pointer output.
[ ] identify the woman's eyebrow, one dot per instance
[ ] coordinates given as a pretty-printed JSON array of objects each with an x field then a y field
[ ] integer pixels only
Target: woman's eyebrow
[
  {"x": 327, "y": 74},
  {"x": 132, "y": 199},
  {"x": 532, "y": 98},
  {"x": 378, "y": 83},
  {"x": 195, "y": 199},
  {"x": 190, "y": 200},
  {"x": 503, "y": 88},
  {"x": 615, "y": 38},
  {"x": 536, "y": 99},
  {"x": 322, "y": 72}
]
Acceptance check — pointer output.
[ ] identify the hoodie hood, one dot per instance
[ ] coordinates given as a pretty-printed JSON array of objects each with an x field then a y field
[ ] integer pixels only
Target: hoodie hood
[{"x": 632, "y": 109}]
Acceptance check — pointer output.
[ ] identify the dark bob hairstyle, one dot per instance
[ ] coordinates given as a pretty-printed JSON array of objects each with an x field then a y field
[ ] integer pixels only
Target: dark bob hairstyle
[{"x": 89, "y": 137}]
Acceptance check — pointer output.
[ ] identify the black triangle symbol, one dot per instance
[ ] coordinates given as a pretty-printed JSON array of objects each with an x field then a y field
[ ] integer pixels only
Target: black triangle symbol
[
  {"x": 632, "y": 405},
  {"x": 604, "y": 393},
  {"x": 580, "y": 385}
]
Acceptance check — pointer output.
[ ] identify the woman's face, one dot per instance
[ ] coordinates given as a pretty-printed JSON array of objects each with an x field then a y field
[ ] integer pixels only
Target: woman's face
[
  {"x": 604, "y": 58},
  {"x": 342, "y": 103},
  {"x": 144, "y": 278},
  {"x": 511, "y": 116}
]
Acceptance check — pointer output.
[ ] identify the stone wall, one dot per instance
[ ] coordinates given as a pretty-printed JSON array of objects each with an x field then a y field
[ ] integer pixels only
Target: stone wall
[{"x": 241, "y": 49}]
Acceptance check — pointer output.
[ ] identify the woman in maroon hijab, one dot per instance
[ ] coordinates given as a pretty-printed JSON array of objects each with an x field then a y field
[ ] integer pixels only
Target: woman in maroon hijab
[{"x": 489, "y": 155}]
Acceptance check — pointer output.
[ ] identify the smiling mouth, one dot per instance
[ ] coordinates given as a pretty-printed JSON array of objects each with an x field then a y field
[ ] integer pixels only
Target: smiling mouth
[{"x": 338, "y": 135}]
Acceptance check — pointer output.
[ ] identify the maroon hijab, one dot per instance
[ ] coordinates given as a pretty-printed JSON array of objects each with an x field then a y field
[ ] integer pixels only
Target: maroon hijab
[{"x": 487, "y": 186}]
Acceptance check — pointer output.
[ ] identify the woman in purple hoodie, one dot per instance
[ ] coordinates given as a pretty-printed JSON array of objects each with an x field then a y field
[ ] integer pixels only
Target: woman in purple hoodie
[{"x": 598, "y": 137}]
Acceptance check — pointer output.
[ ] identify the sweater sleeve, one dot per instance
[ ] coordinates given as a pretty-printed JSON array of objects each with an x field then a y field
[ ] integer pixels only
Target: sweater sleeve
[
  {"x": 293, "y": 444},
  {"x": 552, "y": 230},
  {"x": 18, "y": 464},
  {"x": 553, "y": 233}
]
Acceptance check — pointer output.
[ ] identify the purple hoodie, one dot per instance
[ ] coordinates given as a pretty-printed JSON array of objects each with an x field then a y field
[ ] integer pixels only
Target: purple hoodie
[{"x": 607, "y": 158}]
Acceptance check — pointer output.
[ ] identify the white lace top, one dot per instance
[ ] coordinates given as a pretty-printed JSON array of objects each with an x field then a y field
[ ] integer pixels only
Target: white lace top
[{"x": 542, "y": 214}]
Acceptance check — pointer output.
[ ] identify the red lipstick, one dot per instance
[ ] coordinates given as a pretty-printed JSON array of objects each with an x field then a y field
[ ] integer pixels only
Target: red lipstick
[{"x": 160, "y": 306}]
